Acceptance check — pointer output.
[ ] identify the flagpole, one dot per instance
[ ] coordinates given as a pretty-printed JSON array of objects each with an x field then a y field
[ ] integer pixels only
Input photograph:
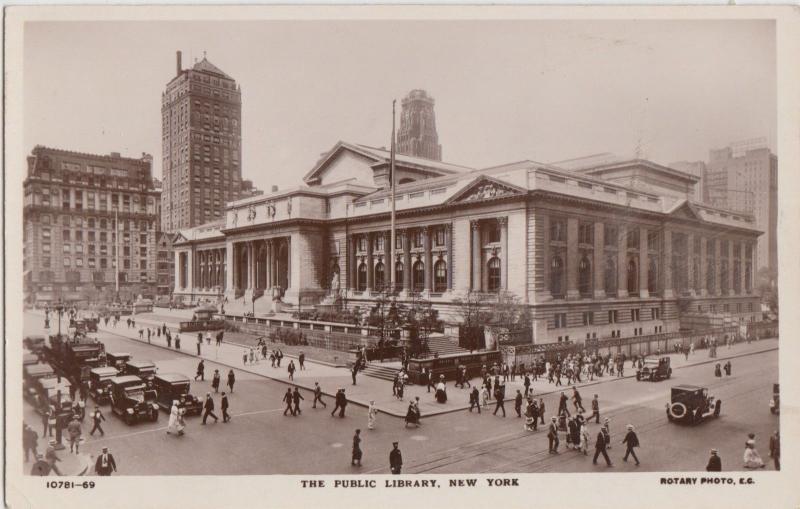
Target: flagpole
[{"x": 391, "y": 184}]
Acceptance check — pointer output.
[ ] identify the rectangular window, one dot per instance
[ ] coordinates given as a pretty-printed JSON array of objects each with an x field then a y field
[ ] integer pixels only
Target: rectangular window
[
  {"x": 558, "y": 230},
  {"x": 612, "y": 316},
  {"x": 633, "y": 238},
  {"x": 610, "y": 236},
  {"x": 588, "y": 318},
  {"x": 655, "y": 313},
  {"x": 560, "y": 320},
  {"x": 65, "y": 235},
  {"x": 652, "y": 240},
  {"x": 586, "y": 233},
  {"x": 439, "y": 237},
  {"x": 634, "y": 315}
]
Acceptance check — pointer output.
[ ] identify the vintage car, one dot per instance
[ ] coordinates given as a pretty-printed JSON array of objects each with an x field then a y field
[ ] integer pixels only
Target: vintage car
[
  {"x": 35, "y": 344},
  {"x": 145, "y": 370},
  {"x": 99, "y": 380},
  {"x": 117, "y": 360},
  {"x": 48, "y": 391},
  {"x": 174, "y": 387},
  {"x": 692, "y": 404},
  {"x": 29, "y": 359},
  {"x": 775, "y": 402},
  {"x": 131, "y": 400},
  {"x": 88, "y": 324},
  {"x": 30, "y": 382},
  {"x": 654, "y": 370}
]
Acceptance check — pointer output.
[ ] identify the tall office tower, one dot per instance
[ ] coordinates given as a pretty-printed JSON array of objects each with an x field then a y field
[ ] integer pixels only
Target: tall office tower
[
  {"x": 744, "y": 177},
  {"x": 201, "y": 112},
  {"x": 417, "y": 135}
]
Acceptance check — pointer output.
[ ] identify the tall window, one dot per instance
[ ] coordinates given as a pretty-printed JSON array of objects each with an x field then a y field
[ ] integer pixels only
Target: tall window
[
  {"x": 633, "y": 238},
  {"x": 723, "y": 276},
  {"x": 558, "y": 230},
  {"x": 737, "y": 276},
  {"x": 379, "y": 276},
  {"x": 748, "y": 277},
  {"x": 610, "y": 276},
  {"x": 652, "y": 276},
  {"x": 557, "y": 277},
  {"x": 361, "y": 284},
  {"x": 586, "y": 233},
  {"x": 418, "y": 275},
  {"x": 633, "y": 279},
  {"x": 440, "y": 276},
  {"x": 610, "y": 235},
  {"x": 398, "y": 275},
  {"x": 585, "y": 277},
  {"x": 711, "y": 276},
  {"x": 439, "y": 237},
  {"x": 494, "y": 275}
]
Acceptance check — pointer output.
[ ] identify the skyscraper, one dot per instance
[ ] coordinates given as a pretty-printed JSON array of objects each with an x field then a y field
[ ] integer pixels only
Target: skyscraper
[
  {"x": 417, "y": 135},
  {"x": 201, "y": 111}
]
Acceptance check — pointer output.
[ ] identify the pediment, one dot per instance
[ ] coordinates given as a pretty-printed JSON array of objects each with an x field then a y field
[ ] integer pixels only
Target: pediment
[
  {"x": 179, "y": 238},
  {"x": 685, "y": 211},
  {"x": 486, "y": 188}
]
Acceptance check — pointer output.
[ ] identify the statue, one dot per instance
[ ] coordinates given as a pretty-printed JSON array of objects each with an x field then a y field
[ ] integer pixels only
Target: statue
[{"x": 335, "y": 282}]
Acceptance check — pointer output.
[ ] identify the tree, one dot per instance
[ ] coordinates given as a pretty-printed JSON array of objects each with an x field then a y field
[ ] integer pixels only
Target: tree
[
  {"x": 767, "y": 288},
  {"x": 474, "y": 312}
]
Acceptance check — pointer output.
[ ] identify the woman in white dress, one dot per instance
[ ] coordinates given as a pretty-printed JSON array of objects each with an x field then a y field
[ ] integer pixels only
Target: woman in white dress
[
  {"x": 172, "y": 426},
  {"x": 372, "y": 415},
  {"x": 751, "y": 457}
]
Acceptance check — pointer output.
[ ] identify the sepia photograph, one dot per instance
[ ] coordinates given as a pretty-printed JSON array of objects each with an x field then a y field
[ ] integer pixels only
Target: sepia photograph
[{"x": 395, "y": 252}]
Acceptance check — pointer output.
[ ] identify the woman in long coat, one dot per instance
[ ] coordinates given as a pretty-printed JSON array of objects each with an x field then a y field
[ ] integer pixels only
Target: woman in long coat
[
  {"x": 172, "y": 426},
  {"x": 372, "y": 414}
]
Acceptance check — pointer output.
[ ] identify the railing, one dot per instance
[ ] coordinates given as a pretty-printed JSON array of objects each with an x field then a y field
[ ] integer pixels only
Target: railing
[{"x": 201, "y": 325}]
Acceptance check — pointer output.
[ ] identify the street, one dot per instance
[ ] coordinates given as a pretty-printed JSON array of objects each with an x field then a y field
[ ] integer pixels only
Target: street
[{"x": 261, "y": 440}]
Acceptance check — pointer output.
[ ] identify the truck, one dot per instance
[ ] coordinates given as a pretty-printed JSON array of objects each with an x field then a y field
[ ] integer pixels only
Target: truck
[{"x": 74, "y": 358}]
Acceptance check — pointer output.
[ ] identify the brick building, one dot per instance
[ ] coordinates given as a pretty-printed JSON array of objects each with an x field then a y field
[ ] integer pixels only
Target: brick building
[
  {"x": 72, "y": 202},
  {"x": 609, "y": 251}
]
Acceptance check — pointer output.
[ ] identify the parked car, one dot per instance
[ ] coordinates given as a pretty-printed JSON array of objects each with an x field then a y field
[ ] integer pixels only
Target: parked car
[
  {"x": 48, "y": 389},
  {"x": 775, "y": 402},
  {"x": 145, "y": 370},
  {"x": 654, "y": 370},
  {"x": 29, "y": 359},
  {"x": 117, "y": 360},
  {"x": 99, "y": 382},
  {"x": 692, "y": 404},
  {"x": 131, "y": 400},
  {"x": 31, "y": 375},
  {"x": 174, "y": 387}
]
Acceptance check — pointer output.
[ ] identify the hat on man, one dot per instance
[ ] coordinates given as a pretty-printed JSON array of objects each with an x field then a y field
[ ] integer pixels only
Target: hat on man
[
  {"x": 713, "y": 451},
  {"x": 630, "y": 427},
  {"x": 395, "y": 443}
]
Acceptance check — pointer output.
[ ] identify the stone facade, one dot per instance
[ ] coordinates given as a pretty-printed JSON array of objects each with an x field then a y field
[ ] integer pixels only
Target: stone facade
[{"x": 591, "y": 258}]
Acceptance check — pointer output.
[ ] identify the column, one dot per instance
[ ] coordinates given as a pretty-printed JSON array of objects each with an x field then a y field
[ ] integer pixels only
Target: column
[
  {"x": 690, "y": 259},
  {"x": 644, "y": 263},
  {"x": 388, "y": 264},
  {"x": 426, "y": 244},
  {"x": 250, "y": 265},
  {"x": 370, "y": 264},
  {"x": 598, "y": 262},
  {"x": 268, "y": 263},
  {"x": 742, "y": 269},
  {"x": 717, "y": 266},
  {"x": 503, "y": 222},
  {"x": 475, "y": 228},
  {"x": 351, "y": 262},
  {"x": 289, "y": 282},
  {"x": 229, "y": 266},
  {"x": 573, "y": 258},
  {"x": 190, "y": 269},
  {"x": 448, "y": 238},
  {"x": 177, "y": 271},
  {"x": 669, "y": 291},
  {"x": 407, "y": 260},
  {"x": 731, "y": 287},
  {"x": 703, "y": 267},
  {"x": 622, "y": 261}
]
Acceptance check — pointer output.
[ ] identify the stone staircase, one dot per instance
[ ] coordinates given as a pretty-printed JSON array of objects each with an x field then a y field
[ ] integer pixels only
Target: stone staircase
[
  {"x": 444, "y": 345},
  {"x": 378, "y": 370}
]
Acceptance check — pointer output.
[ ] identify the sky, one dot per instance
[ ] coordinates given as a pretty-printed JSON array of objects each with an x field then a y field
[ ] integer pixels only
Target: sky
[{"x": 504, "y": 90}]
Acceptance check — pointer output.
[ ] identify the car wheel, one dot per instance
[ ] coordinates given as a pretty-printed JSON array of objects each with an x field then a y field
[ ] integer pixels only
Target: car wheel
[
  {"x": 678, "y": 410},
  {"x": 717, "y": 408}
]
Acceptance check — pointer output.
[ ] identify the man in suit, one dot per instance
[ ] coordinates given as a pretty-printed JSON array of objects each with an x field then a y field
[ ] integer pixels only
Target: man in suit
[
  {"x": 552, "y": 436},
  {"x": 224, "y": 405},
  {"x": 395, "y": 459},
  {"x": 600, "y": 446},
  {"x": 318, "y": 396},
  {"x": 595, "y": 410},
  {"x": 714, "y": 462},
  {"x": 105, "y": 463},
  {"x": 518, "y": 403},
  {"x": 296, "y": 397},
  {"x": 287, "y": 398},
  {"x": 474, "y": 400},
  {"x": 208, "y": 408}
]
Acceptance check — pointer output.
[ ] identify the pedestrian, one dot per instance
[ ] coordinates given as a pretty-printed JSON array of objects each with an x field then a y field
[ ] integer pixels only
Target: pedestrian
[
  {"x": 774, "y": 449},
  {"x": 474, "y": 400},
  {"x": 714, "y": 462},
  {"x": 105, "y": 463},
  {"x": 341, "y": 403},
  {"x": 52, "y": 458},
  {"x": 527, "y": 384},
  {"x": 208, "y": 408},
  {"x": 272, "y": 358},
  {"x": 552, "y": 436},
  {"x": 177, "y": 341},
  {"x": 149, "y": 333},
  {"x": 584, "y": 446},
  {"x": 173, "y": 424},
  {"x": 395, "y": 459},
  {"x": 279, "y": 357},
  {"x": 215, "y": 381},
  {"x": 244, "y": 358},
  {"x": 48, "y": 421},
  {"x": 485, "y": 396},
  {"x": 728, "y": 368},
  {"x": 751, "y": 457},
  {"x": 201, "y": 370},
  {"x": 199, "y": 342},
  {"x": 287, "y": 398},
  {"x": 29, "y": 441},
  {"x": 499, "y": 403},
  {"x": 208, "y": 338},
  {"x": 518, "y": 403},
  {"x": 354, "y": 372},
  {"x": 40, "y": 467},
  {"x": 296, "y": 397},
  {"x": 356, "y": 457},
  {"x": 74, "y": 430},
  {"x": 219, "y": 338},
  {"x": 541, "y": 411},
  {"x": 290, "y": 368},
  {"x": 169, "y": 340},
  {"x": 630, "y": 441},
  {"x": 577, "y": 401},
  {"x": 97, "y": 418},
  {"x": 595, "y": 410},
  {"x": 717, "y": 371},
  {"x": 226, "y": 417},
  {"x": 231, "y": 380},
  {"x": 372, "y": 414},
  {"x": 318, "y": 396},
  {"x": 600, "y": 447},
  {"x": 301, "y": 359}
]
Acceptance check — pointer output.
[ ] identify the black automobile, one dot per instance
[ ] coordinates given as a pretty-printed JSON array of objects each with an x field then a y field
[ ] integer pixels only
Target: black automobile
[
  {"x": 117, "y": 360},
  {"x": 146, "y": 370},
  {"x": 691, "y": 404},
  {"x": 654, "y": 370},
  {"x": 30, "y": 382},
  {"x": 175, "y": 387},
  {"x": 775, "y": 402},
  {"x": 48, "y": 392},
  {"x": 132, "y": 400},
  {"x": 99, "y": 381}
]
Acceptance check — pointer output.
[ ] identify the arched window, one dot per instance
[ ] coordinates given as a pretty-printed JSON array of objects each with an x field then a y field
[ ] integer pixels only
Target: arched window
[
  {"x": 557, "y": 277},
  {"x": 633, "y": 280},
  {"x": 418, "y": 275},
  {"x": 494, "y": 274},
  {"x": 652, "y": 276},
  {"x": 585, "y": 277},
  {"x": 440, "y": 276},
  {"x": 610, "y": 276},
  {"x": 398, "y": 275},
  {"x": 361, "y": 284},
  {"x": 379, "y": 276}
]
